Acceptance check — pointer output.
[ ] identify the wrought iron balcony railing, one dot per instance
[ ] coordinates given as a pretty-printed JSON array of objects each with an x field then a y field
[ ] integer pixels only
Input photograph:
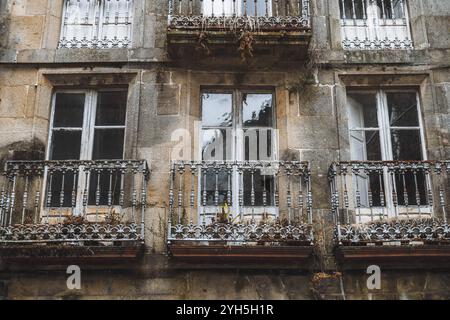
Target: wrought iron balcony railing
[
  {"x": 74, "y": 202},
  {"x": 394, "y": 202},
  {"x": 240, "y": 203},
  {"x": 269, "y": 15}
]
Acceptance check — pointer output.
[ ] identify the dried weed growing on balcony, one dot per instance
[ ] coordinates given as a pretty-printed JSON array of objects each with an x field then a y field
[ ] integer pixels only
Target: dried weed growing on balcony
[{"x": 246, "y": 42}]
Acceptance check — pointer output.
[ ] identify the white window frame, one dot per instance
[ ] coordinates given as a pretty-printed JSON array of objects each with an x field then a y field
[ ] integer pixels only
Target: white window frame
[
  {"x": 102, "y": 16},
  {"x": 373, "y": 32},
  {"x": 87, "y": 139},
  {"x": 384, "y": 128},
  {"x": 238, "y": 154}
]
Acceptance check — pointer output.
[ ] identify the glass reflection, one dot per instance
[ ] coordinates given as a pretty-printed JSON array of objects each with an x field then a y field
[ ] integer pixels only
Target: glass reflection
[
  {"x": 257, "y": 110},
  {"x": 217, "y": 110},
  {"x": 214, "y": 145}
]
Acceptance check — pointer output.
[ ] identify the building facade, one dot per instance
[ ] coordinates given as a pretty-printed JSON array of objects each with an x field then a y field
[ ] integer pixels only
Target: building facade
[{"x": 225, "y": 149}]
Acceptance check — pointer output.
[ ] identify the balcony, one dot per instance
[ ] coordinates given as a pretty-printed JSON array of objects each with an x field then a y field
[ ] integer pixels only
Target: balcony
[
  {"x": 391, "y": 211},
  {"x": 238, "y": 30},
  {"x": 53, "y": 212},
  {"x": 252, "y": 211}
]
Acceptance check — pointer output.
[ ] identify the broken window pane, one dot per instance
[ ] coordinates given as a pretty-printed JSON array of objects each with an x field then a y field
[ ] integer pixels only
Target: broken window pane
[
  {"x": 111, "y": 108},
  {"x": 66, "y": 145},
  {"x": 257, "y": 110},
  {"x": 217, "y": 110},
  {"x": 69, "y": 110},
  {"x": 402, "y": 108}
]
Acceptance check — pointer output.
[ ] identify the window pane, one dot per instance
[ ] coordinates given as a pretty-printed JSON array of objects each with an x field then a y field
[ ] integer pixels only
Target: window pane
[
  {"x": 257, "y": 110},
  {"x": 258, "y": 144},
  {"x": 390, "y": 9},
  {"x": 217, "y": 109},
  {"x": 108, "y": 182},
  {"x": 376, "y": 180},
  {"x": 248, "y": 7},
  {"x": 70, "y": 188},
  {"x": 215, "y": 145},
  {"x": 402, "y": 107},
  {"x": 117, "y": 13},
  {"x": 69, "y": 110},
  {"x": 223, "y": 183},
  {"x": 353, "y": 9},
  {"x": 108, "y": 144},
  {"x": 259, "y": 181},
  {"x": 80, "y": 20},
  {"x": 66, "y": 145},
  {"x": 406, "y": 145},
  {"x": 362, "y": 110},
  {"x": 365, "y": 145},
  {"x": 111, "y": 108},
  {"x": 411, "y": 188}
]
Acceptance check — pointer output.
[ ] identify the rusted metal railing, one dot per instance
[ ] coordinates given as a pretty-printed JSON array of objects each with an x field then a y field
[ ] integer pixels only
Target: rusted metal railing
[
  {"x": 73, "y": 201},
  {"x": 384, "y": 201},
  {"x": 240, "y": 14},
  {"x": 240, "y": 202}
]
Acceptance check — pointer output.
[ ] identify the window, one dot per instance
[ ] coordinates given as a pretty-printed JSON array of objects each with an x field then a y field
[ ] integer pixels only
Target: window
[
  {"x": 86, "y": 125},
  {"x": 258, "y": 8},
  {"x": 375, "y": 24},
  {"x": 96, "y": 24},
  {"x": 386, "y": 125},
  {"x": 238, "y": 126}
]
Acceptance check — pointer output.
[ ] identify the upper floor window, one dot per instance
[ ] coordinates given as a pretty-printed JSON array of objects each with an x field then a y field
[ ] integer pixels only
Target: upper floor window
[
  {"x": 375, "y": 24},
  {"x": 96, "y": 24}
]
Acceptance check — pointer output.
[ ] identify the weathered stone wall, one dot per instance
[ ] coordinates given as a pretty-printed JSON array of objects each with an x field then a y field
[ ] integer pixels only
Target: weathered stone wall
[
  {"x": 226, "y": 284},
  {"x": 163, "y": 98}
]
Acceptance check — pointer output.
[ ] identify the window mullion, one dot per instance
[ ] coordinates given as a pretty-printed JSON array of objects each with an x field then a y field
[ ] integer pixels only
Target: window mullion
[
  {"x": 238, "y": 147},
  {"x": 83, "y": 181},
  {"x": 88, "y": 126},
  {"x": 386, "y": 144},
  {"x": 383, "y": 116}
]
